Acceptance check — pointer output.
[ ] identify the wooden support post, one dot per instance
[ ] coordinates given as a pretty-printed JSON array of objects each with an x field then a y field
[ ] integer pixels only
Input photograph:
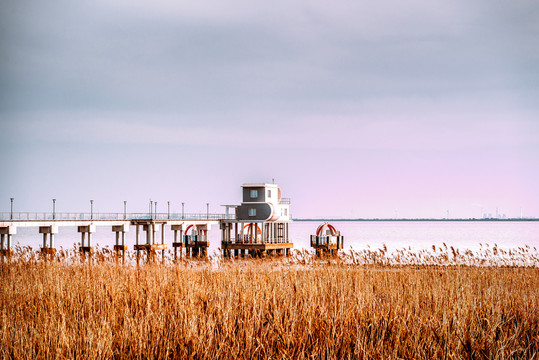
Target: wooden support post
[
  {"x": 255, "y": 226},
  {"x": 223, "y": 235},
  {"x": 137, "y": 232},
  {"x": 116, "y": 251},
  {"x": 148, "y": 234},
  {"x": 123, "y": 247},
  {"x": 181, "y": 237},
  {"x": 175, "y": 248},
  {"x": 163, "y": 242},
  {"x": 240, "y": 233}
]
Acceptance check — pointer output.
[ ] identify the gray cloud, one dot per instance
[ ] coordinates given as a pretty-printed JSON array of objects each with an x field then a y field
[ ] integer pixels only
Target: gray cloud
[{"x": 289, "y": 56}]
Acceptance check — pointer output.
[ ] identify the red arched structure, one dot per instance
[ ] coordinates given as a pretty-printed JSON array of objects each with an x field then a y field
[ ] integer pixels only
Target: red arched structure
[
  {"x": 322, "y": 228},
  {"x": 189, "y": 227},
  {"x": 327, "y": 240}
]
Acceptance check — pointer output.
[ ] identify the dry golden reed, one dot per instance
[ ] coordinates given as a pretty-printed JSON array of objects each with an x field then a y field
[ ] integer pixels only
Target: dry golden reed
[{"x": 294, "y": 308}]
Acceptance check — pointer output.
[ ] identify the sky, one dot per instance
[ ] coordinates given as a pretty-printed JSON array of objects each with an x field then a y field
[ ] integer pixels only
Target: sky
[{"x": 364, "y": 109}]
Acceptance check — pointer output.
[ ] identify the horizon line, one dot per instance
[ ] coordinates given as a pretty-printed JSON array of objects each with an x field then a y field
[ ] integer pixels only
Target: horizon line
[{"x": 414, "y": 219}]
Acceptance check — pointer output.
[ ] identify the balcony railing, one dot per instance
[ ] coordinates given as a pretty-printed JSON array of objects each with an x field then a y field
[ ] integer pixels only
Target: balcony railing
[{"x": 249, "y": 239}]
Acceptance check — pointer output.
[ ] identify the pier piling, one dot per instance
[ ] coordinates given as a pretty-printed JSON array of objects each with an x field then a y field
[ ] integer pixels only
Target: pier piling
[
  {"x": 120, "y": 249},
  {"x": 86, "y": 230},
  {"x": 48, "y": 231}
]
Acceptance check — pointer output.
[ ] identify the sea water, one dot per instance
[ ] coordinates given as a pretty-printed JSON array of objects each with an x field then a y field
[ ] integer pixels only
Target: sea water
[{"x": 358, "y": 235}]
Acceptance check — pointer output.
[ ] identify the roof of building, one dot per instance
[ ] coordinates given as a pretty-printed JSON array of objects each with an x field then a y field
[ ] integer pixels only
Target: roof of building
[{"x": 260, "y": 185}]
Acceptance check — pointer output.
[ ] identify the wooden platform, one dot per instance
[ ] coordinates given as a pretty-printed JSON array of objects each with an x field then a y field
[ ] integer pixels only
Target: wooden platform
[
  {"x": 153, "y": 247},
  {"x": 7, "y": 252},
  {"x": 48, "y": 250},
  {"x": 328, "y": 247},
  {"x": 120, "y": 247},
  {"x": 198, "y": 244},
  {"x": 86, "y": 249},
  {"x": 327, "y": 250},
  {"x": 263, "y": 247}
]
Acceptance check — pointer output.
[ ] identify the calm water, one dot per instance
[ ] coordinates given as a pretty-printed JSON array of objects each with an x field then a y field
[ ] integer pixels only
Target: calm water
[{"x": 357, "y": 235}]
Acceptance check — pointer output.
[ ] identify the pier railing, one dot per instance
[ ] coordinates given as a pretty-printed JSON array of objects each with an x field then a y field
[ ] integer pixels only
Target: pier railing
[{"x": 69, "y": 216}]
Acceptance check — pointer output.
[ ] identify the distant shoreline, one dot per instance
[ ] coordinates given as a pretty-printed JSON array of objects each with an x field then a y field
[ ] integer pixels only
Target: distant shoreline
[{"x": 471, "y": 219}]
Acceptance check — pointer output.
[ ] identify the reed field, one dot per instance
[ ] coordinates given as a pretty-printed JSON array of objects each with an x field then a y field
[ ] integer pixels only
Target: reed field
[{"x": 438, "y": 304}]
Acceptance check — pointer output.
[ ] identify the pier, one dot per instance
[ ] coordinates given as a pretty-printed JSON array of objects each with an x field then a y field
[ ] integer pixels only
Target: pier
[
  {"x": 191, "y": 228},
  {"x": 261, "y": 224},
  {"x": 258, "y": 227}
]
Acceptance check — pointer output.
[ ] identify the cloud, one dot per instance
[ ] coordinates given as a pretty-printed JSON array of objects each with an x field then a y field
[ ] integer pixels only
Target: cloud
[
  {"x": 417, "y": 125},
  {"x": 222, "y": 56}
]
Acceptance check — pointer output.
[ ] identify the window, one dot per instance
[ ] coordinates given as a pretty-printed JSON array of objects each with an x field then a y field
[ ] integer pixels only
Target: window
[
  {"x": 285, "y": 212},
  {"x": 252, "y": 211},
  {"x": 269, "y": 194},
  {"x": 254, "y": 194}
]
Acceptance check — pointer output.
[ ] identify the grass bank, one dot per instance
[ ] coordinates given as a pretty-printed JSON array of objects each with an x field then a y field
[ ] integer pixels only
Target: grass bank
[{"x": 267, "y": 309}]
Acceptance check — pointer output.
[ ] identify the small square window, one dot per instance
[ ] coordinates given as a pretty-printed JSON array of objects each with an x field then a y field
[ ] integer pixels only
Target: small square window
[
  {"x": 254, "y": 194},
  {"x": 252, "y": 212}
]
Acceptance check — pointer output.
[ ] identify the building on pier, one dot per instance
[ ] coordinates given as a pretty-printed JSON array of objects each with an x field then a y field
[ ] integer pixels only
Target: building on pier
[{"x": 261, "y": 224}]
